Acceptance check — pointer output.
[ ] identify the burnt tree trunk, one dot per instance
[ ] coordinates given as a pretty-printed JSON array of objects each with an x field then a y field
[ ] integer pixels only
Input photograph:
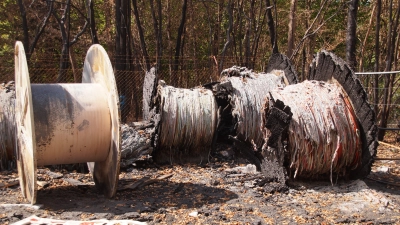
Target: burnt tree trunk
[{"x": 30, "y": 47}]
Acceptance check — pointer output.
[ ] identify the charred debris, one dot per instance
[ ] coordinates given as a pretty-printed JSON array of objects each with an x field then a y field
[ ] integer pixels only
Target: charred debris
[{"x": 323, "y": 127}]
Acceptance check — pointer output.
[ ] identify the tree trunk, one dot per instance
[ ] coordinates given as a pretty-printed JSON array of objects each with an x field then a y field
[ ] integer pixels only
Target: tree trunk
[
  {"x": 271, "y": 26},
  {"x": 351, "y": 36},
  {"x": 90, "y": 12},
  {"x": 229, "y": 9},
  {"x": 292, "y": 28},
  {"x": 391, "y": 42},
  {"x": 157, "y": 24},
  {"x": 160, "y": 37},
  {"x": 249, "y": 35},
  {"x": 364, "y": 44},
  {"x": 141, "y": 35},
  {"x": 64, "y": 25},
  {"x": 238, "y": 50},
  {"x": 120, "y": 38},
  {"x": 217, "y": 29},
  {"x": 258, "y": 31},
  {"x": 25, "y": 27},
  {"x": 179, "y": 40},
  {"x": 377, "y": 55},
  {"x": 123, "y": 53}
]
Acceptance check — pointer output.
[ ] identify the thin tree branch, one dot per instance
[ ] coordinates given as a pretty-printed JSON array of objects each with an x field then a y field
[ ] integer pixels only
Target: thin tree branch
[
  {"x": 229, "y": 9},
  {"x": 308, "y": 34},
  {"x": 41, "y": 29}
]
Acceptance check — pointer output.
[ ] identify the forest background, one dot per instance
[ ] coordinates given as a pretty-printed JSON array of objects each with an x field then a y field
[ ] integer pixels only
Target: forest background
[{"x": 190, "y": 42}]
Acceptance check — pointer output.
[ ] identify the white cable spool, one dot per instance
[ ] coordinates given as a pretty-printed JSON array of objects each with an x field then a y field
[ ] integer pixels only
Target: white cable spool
[{"x": 68, "y": 123}]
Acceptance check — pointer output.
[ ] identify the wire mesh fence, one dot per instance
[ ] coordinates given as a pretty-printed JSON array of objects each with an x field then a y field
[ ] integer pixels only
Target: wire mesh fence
[
  {"x": 393, "y": 90},
  {"x": 190, "y": 73}
]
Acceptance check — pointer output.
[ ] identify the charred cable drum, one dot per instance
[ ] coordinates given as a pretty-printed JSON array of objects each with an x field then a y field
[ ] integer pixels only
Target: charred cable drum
[
  {"x": 188, "y": 122},
  {"x": 68, "y": 123},
  {"x": 323, "y": 135},
  {"x": 327, "y": 127},
  {"x": 249, "y": 90}
]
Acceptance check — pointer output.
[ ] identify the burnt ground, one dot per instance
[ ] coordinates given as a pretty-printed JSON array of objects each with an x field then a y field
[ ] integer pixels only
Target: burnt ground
[{"x": 216, "y": 193}]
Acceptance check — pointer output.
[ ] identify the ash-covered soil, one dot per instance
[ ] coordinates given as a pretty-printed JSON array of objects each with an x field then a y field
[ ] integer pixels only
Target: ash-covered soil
[{"x": 220, "y": 192}]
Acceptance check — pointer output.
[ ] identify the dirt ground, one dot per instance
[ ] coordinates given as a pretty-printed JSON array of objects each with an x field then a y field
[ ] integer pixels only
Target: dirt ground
[{"x": 220, "y": 192}]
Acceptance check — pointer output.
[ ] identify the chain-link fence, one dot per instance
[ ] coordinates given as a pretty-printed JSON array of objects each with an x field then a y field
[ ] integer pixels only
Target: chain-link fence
[
  {"x": 190, "y": 73},
  {"x": 392, "y": 89}
]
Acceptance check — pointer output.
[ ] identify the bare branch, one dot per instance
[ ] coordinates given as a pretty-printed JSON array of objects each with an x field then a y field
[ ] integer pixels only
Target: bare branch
[
  {"x": 76, "y": 37},
  {"x": 308, "y": 33},
  {"x": 41, "y": 28},
  {"x": 228, "y": 33}
]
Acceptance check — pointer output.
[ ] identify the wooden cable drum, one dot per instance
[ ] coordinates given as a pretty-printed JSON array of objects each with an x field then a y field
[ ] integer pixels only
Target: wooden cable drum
[{"x": 68, "y": 123}]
